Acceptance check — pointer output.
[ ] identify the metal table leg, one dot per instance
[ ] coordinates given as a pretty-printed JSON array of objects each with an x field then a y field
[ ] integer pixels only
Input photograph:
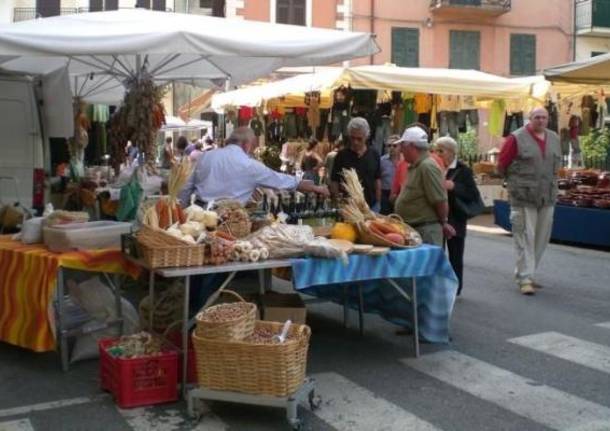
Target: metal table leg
[
  {"x": 116, "y": 287},
  {"x": 185, "y": 332},
  {"x": 345, "y": 305},
  {"x": 151, "y": 298},
  {"x": 360, "y": 310},
  {"x": 415, "y": 319},
  {"x": 61, "y": 336},
  {"x": 413, "y": 301}
]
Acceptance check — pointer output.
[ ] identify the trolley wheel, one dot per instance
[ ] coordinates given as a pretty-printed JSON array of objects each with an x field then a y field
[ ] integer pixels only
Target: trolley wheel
[{"x": 314, "y": 401}]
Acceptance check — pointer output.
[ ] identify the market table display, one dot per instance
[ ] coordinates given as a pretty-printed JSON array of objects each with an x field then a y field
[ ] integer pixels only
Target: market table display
[
  {"x": 380, "y": 277},
  {"x": 572, "y": 224},
  {"x": 30, "y": 275}
]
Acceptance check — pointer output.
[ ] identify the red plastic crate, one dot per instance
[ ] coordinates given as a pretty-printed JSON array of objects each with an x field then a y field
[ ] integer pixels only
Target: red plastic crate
[
  {"x": 141, "y": 381},
  {"x": 175, "y": 338}
]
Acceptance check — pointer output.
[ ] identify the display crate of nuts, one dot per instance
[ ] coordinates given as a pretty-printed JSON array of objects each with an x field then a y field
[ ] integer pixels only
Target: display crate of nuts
[
  {"x": 260, "y": 364},
  {"x": 232, "y": 321}
]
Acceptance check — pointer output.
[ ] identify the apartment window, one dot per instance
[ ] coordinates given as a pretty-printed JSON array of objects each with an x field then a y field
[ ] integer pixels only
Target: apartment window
[
  {"x": 96, "y": 5},
  {"x": 145, "y": 4},
  {"x": 405, "y": 47},
  {"x": 522, "y": 54},
  {"x": 464, "y": 49},
  {"x": 48, "y": 7},
  {"x": 291, "y": 12},
  {"x": 159, "y": 5},
  {"x": 111, "y": 5}
]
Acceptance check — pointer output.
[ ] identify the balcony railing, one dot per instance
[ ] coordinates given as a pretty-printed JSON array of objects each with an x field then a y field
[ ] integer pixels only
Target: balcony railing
[
  {"x": 479, "y": 7},
  {"x": 593, "y": 16},
  {"x": 26, "y": 13}
]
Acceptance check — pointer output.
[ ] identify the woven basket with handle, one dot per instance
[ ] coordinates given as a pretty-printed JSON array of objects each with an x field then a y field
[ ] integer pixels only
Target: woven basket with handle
[
  {"x": 243, "y": 366},
  {"x": 161, "y": 250},
  {"x": 236, "y": 328}
]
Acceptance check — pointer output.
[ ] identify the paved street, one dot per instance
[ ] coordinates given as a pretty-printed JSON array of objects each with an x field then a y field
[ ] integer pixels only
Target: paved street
[{"x": 515, "y": 363}]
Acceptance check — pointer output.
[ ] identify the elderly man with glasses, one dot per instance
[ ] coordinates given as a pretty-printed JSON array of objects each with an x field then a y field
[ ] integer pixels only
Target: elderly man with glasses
[
  {"x": 423, "y": 200},
  {"x": 363, "y": 159},
  {"x": 389, "y": 164}
]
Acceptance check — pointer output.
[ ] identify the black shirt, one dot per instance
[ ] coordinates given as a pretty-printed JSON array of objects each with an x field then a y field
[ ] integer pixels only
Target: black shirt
[{"x": 368, "y": 168}]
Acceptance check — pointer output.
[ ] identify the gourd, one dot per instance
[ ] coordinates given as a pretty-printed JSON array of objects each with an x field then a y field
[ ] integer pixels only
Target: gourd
[{"x": 344, "y": 231}]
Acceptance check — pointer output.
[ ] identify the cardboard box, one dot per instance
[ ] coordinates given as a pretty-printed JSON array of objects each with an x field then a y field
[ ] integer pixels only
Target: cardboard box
[{"x": 279, "y": 307}]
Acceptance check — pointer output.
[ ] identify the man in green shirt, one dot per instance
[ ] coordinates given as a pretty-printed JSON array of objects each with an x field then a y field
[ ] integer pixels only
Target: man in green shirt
[{"x": 423, "y": 200}]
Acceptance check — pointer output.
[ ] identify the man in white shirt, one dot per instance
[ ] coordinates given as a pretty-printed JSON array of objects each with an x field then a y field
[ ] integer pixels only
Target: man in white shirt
[{"x": 230, "y": 173}]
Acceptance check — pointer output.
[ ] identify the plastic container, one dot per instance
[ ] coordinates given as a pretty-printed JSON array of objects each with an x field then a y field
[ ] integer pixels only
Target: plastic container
[
  {"x": 141, "y": 381},
  {"x": 85, "y": 236}
]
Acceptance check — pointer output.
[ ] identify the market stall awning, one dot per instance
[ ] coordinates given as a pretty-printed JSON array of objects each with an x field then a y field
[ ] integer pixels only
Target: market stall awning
[
  {"x": 594, "y": 70},
  {"x": 297, "y": 86},
  {"x": 439, "y": 81},
  {"x": 391, "y": 78},
  {"x": 104, "y": 49}
]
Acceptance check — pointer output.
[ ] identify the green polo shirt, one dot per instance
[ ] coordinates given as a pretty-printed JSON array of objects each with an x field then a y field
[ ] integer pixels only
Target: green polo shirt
[{"x": 425, "y": 188}]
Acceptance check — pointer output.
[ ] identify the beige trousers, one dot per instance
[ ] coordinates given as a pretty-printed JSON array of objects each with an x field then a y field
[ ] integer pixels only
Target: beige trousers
[{"x": 531, "y": 233}]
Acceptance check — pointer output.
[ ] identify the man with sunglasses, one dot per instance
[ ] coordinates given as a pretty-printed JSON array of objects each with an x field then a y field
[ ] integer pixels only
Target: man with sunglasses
[{"x": 389, "y": 163}]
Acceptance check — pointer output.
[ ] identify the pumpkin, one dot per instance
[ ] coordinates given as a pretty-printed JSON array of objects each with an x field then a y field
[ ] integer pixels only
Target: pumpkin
[{"x": 344, "y": 231}]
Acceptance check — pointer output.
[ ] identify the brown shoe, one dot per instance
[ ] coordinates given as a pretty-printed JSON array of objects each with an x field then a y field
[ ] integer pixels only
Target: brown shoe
[{"x": 527, "y": 289}]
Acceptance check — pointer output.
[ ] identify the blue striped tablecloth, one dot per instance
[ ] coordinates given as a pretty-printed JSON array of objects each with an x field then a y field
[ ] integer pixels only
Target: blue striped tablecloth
[{"x": 436, "y": 285}]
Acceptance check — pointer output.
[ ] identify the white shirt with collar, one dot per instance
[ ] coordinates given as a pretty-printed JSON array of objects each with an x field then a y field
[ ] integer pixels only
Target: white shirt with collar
[{"x": 230, "y": 173}]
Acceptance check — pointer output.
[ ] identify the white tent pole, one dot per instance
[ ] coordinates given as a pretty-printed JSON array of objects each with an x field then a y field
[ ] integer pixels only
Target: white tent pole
[
  {"x": 227, "y": 74},
  {"x": 100, "y": 85},
  {"x": 97, "y": 66},
  {"x": 171, "y": 69},
  {"x": 164, "y": 63},
  {"x": 118, "y": 60},
  {"x": 138, "y": 65}
]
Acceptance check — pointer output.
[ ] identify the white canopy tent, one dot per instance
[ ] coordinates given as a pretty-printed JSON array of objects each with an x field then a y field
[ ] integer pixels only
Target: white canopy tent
[
  {"x": 574, "y": 80},
  {"x": 391, "y": 78},
  {"x": 103, "y": 49},
  {"x": 594, "y": 70}
]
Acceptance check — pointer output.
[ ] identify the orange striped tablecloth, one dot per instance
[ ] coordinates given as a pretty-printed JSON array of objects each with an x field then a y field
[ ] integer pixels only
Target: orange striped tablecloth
[{"x": 28, "y": 276}]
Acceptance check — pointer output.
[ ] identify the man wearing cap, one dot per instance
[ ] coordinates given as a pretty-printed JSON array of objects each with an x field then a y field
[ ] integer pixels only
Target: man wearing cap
[
  {"x": 530, "y": 159},
  {"x": 422, "y": 202}
]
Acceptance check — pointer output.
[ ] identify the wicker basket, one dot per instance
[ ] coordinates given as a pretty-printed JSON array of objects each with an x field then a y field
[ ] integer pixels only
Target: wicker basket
[
  {"x": 366, "y": 236},
  {"x": 160, "y": 250},
  {"x": 238, "y": 229},
  {"x": 236, "y": 329},
  {"x": 260, "y": 369}
]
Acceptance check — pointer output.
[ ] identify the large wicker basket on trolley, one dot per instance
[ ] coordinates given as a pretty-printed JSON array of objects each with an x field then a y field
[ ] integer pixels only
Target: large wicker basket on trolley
[
  {"x": 260, "y": 369},
  {"x": 161, "y": 250},
  {"x": 237, "y": 328},
  {"x": 366, "y": 236}
]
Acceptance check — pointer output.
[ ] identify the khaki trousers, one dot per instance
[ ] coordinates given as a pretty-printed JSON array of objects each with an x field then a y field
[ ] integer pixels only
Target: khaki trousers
[
  {"x": 431, "y": 233},
  {"x": 531, "y": 233}
]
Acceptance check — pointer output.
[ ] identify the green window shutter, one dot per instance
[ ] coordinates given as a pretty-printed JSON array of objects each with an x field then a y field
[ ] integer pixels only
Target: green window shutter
[
  {"x": 405, "y": 46},
  {"x": 522, "y": 54},
  {"x": 464, "y": 50}
]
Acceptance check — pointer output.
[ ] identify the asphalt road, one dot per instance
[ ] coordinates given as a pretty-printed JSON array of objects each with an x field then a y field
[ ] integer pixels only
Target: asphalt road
[{"x": 515, "y": 363}]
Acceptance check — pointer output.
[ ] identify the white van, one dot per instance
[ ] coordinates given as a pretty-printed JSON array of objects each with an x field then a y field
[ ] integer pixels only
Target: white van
[{"x": 22, "y": 148}]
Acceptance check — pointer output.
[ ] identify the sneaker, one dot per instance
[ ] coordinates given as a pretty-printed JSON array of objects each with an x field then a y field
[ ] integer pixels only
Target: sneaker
[{"x": 527, "y": 289}]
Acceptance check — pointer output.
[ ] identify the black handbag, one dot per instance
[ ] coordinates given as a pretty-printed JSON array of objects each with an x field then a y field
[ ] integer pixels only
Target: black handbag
[{"x": 469, "y": 208}]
